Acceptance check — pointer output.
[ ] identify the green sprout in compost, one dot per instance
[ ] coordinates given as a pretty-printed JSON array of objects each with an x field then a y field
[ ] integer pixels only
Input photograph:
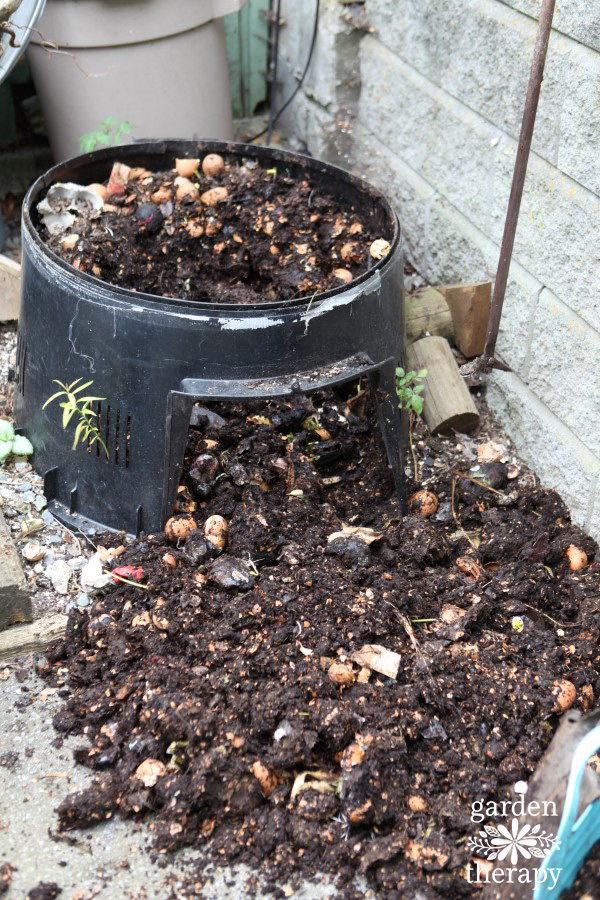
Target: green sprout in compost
[
  {"x": 409, "y": 389},
  {"x": 76, "y": 405}
]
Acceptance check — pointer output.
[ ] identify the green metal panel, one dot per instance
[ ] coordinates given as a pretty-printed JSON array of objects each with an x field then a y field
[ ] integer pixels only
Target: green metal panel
[{"x": 247, "y": 35}]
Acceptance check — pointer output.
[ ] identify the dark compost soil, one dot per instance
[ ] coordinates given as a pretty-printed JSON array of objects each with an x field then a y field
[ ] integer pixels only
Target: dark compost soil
[
  {"x": 225, "y": 699},
  {"x": 274, "y": 237}
]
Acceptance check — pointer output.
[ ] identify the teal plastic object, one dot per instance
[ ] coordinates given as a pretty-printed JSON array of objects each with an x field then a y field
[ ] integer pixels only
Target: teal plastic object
[{"x": 576, "y": 837}]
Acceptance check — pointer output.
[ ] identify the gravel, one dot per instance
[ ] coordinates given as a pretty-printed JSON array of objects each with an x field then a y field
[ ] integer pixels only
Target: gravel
[{"x": 53, "y": 580}]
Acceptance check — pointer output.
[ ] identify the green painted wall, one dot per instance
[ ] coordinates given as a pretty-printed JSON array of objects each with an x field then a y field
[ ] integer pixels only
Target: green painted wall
[{"x": 247, "y": 35}]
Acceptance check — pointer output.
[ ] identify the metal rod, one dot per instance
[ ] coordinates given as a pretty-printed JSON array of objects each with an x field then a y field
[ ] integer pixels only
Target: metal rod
[
  {"x": 514, "y": 203},
  {"x": 273, "y": 96}
]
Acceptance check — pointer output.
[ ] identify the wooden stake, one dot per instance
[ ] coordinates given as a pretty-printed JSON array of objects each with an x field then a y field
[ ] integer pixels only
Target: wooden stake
[{"x": 448, "y": 403}]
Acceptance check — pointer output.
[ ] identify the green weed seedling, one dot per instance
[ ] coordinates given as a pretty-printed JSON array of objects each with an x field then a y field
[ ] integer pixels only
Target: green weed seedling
[
  {"x": 76, "y": 405},
  {"x": 409, "y": 389},
  {"x": 110, "y": 132}
]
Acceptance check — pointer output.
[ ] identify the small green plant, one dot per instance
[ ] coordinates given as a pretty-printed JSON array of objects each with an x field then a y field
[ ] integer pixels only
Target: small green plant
[
  {"x": 409, "y": 389},
  {"x": 76, "y": 405},
  {"x": 109, "y": 133},
  {"x": 11, "y": 443}
]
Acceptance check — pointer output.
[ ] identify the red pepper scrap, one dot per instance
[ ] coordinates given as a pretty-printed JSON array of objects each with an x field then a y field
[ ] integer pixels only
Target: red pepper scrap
[{"x": 132, "y": 573}]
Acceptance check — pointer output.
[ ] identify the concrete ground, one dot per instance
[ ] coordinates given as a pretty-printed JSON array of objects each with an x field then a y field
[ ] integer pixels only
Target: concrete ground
[{"x": 109, "y": 861}]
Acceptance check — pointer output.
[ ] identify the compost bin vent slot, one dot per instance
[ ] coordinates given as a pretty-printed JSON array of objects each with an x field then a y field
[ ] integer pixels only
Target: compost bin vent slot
[
  {"x": 21, "y": 360},
  {"x": 114, "y": 428}
]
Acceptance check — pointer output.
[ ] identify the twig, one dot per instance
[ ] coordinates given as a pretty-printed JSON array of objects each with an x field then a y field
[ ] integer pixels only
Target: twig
[
  {"x": 456, "y": 519},
  {"x": 476, "y": 481},
  {"x": 411, "y": 420},
  {"x": 53, "y": 48},
  {"x": 554, "y": 621}
]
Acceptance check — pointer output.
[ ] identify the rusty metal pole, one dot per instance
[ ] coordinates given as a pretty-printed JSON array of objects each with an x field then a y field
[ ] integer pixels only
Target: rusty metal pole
[{"x": 486, "y": 362}]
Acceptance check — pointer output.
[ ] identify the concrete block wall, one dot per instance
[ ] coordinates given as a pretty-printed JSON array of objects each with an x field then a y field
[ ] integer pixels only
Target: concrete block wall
[{"x": 425, "y": 100}]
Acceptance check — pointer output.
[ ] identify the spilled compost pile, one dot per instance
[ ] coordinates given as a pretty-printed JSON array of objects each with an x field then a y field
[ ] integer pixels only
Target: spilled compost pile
[{"x": 307, "y": 682}]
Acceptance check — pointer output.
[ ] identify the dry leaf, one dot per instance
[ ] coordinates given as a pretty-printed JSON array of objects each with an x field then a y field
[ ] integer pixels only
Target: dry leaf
[
  {"x": 368, "y": 535},
  {"x": 378, "y": 658},
  {"x": 323, "y": 782},
  {"x": 490, "y": 452}
]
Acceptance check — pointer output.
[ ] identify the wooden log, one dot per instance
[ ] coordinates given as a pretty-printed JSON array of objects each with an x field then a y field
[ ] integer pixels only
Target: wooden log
[
  {"x": 427, "y": 311},
  {"x": 15, "y": 602},
  {"x": 469, "y": 306},
  {"x": 34, "y": 638},
  {"x": 10, "y": 289},
  {"x": 448, "y": 404}
]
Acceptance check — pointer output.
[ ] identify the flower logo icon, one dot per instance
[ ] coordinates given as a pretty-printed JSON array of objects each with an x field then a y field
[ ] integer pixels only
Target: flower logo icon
[{"x": 498, "y": 842}]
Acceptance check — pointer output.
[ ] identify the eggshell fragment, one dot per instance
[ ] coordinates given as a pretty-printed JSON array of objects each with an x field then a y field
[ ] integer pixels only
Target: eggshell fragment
[
  {"x": 194, "y": 229},
  {"x": 380, "y": 248},
  {"x": 162, "y": 195},
  {"x": 341, "y": 673},
  {"x": 138, "y": 173},
  {"x": 185, "y": 189},
  {"x": 150, "y": 771},
  {"x": 423, "y": 503},
  {"x": 215, "y": 531},
  {"x": 266, "y": 779},
  {"x": 343, "y": 275},
  {"x": 564, "y": 694},
  {"x": 348, "y": 252},
  {"x": 214, "y": 195},
  {"x": 69, "y": 241},
  {"x": 469, "y": 567},
  {"x": 186, "y": 167},
  {"x": 577, "y": 558},
  {"x": 417, "y": 804},
  {"x": 98, "y": 189},
  {"x": 178, "y": 528},
  {"x": 212, "y": 164}
]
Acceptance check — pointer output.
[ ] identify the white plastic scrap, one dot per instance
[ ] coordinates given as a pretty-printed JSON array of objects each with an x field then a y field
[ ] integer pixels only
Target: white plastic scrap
[
  {"x": 92, "y": 575},
  {"x": 63, "y": 204}
]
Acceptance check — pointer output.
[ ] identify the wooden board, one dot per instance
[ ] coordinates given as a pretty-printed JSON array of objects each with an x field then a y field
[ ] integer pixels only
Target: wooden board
[
  {"x": 448, "y": 404},
  {"x": 34, "y": 638},
  {"x": 15, "y": 602},
  {"x": 10, "y": 289},
  {"x": 469, "y": 306}
]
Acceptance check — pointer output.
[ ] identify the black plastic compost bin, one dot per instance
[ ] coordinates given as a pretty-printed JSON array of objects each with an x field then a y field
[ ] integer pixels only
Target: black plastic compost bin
[{"x": 152, "y": 358}]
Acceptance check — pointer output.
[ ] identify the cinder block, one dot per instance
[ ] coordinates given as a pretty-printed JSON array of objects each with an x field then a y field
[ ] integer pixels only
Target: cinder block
[
  {"x": 444, "y": 246},
  {"x": 458, "y": 251},
  {"x": 480, "y": 52},
  {"x": 321, "y": 81},
  {"x": 409, "y": 194},
  {"x": 564, "y": 370},
  {"x": 557, "y": 235},
  {"x": 554, "y": 452},
  {"x": 578, "y": 19},
  {"x": 594, "y": 524},
  {"x": 447, "y": 144},
  {"x": 579, "y": 147}
]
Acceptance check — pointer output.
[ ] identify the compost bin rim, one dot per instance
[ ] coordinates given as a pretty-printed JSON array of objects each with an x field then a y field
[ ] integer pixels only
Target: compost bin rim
[{"x": 175, "y": 145}]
